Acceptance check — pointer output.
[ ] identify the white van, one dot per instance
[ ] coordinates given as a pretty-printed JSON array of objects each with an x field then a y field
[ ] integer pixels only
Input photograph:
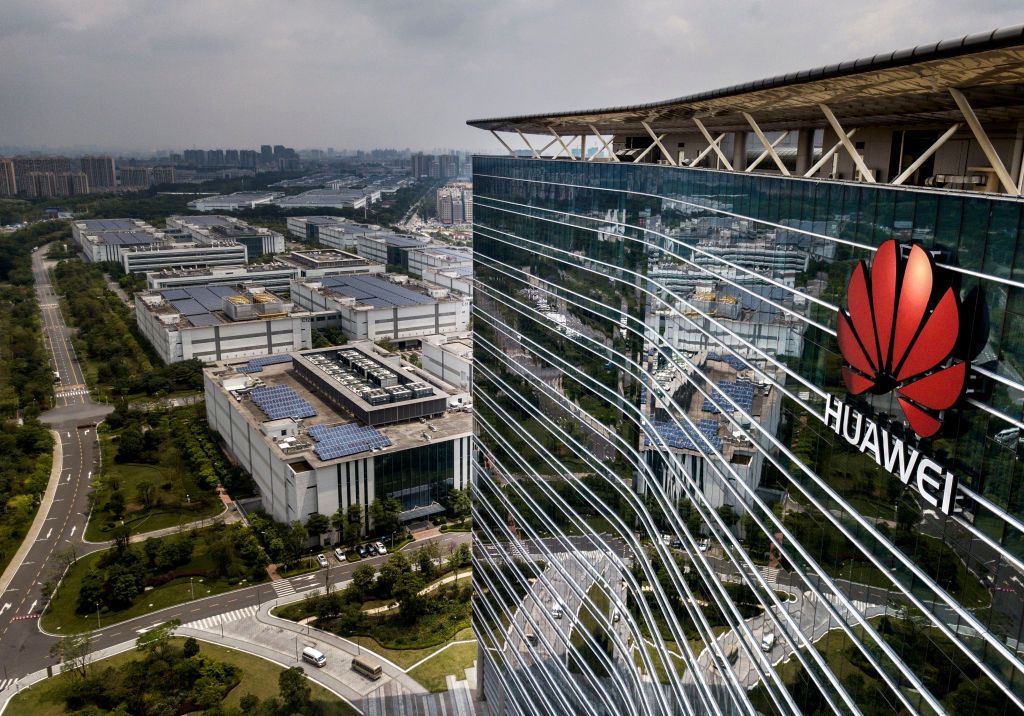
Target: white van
[
  {"x": 314, "y": 657},
  {"x": 556, "y": 611},
  {"x": 768, "y": 642}
]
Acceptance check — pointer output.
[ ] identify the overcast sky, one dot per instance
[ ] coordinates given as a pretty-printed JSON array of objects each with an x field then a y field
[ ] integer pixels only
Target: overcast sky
[{"x": 143, "y": 74}]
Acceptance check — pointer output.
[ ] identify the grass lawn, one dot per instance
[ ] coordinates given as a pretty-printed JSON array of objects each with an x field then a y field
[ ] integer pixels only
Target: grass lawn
[
  {"x": 453, "y": 660},
  {"x": 61, "y": 617},
  {"x": 407, "y": 657},
  {"x": 179, "y": 499},
  {"x": 259, "y": 678}
]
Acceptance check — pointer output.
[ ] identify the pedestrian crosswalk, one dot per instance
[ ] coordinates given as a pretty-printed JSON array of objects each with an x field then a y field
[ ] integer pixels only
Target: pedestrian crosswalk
[
  {"x": 283, "y": 588},
  {"x": 70, "y": 393},
  {"x": 232, "y": 616},
  {"x": 7, "y": 684}
]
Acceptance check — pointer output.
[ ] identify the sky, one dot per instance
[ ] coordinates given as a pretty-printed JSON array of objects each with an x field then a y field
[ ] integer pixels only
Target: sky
[{"x": 172, "y": 74}]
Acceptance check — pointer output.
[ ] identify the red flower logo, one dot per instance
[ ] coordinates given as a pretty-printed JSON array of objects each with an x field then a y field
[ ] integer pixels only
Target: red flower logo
[{"x": 899, "y": 327}]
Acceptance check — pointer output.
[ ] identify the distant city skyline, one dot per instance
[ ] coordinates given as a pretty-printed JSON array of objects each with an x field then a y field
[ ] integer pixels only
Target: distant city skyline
[{"x": 135, "y": 77}]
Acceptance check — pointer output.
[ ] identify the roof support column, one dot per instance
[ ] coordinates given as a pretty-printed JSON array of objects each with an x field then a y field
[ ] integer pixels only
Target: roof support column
[
  {"x": 583, "y": 147},
  {"x": 510, "y": 152},
  {"x": 657, "y": 140},
  {"x": 713, "y": 144},
  {"x": 1017, "y": 168},
  {"x": 605, "y": 145},
  {"x": 916, "y": 164},
  {"x": 804, "y": 150},
  {"x": 848, "y": 145},
  {"x": 558, "y": 138},
  {"x": 739, "y": 151},
  {"x": 707, "y": 150},
  {"x": 762, "y": 155},
  {"x": 527, "y": 143},
  {"x": 828, "y": 155},
  {"x": 983, "y": 141},
  {"x": 768, "y": 147}
]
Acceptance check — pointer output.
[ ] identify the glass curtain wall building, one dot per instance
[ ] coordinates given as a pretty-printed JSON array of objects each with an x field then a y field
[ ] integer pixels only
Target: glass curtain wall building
[{"x": 748, "y": 393}]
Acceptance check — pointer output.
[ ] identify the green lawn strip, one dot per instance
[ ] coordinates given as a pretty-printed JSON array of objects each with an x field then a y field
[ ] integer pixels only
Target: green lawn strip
[
  {"x": 60, "y": 615},
  {"x": 453, "y": 660},
  {"x": 407, "y": 657},
  {"x": 259, "y": 678},
  {"x": 182, "y": 499}
]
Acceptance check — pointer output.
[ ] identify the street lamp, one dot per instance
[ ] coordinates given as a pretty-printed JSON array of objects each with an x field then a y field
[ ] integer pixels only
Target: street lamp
[
  {"x": 97, "y": 614},
  {"x": 192, "y": 588}
]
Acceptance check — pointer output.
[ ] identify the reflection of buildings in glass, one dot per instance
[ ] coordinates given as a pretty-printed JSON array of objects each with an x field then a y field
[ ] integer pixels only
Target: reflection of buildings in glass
[{"x": 591, "y": 432}]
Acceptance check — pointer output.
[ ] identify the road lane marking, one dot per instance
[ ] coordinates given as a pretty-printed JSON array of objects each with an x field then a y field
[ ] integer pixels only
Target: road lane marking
[
  {"x": 5, "y": 607},
  {"x": 73, "y": 528},
  {"x": 33, "y": 607}
]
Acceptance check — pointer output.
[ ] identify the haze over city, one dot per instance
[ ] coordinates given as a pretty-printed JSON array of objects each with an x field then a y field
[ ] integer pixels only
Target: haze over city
[{"x": 141, "y": 75}]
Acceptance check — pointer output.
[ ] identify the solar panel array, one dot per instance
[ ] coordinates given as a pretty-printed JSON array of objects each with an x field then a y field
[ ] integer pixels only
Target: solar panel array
[
  {"x": 345, "y": 440},
  {"x": 734, "y": 361},
  {"x": 197, "y": 303},
  {"x": 376, "y": 292},
  {"x": 256, "y": 364},
  {"x": 687, "y": 438},
  {"x": 741, "y": 393},
  {"x": 280, "y": 401}
]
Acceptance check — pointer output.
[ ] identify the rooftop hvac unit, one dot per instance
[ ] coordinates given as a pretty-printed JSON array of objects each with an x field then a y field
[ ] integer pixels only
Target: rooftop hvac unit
[
  {"x": 420, "y": 390},
  {"x": 377, "y": 397},
  {"x": 399, "y": 394}
]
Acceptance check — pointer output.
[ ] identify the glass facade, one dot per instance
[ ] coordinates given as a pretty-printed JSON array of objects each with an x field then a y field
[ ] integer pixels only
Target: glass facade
[
  {"x": 417, "y": 477},
  {"x": 665, "y": 522}
]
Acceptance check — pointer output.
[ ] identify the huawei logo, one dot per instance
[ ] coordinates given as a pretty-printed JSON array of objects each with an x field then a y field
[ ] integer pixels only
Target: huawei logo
[{"x": 898, "y": 333}]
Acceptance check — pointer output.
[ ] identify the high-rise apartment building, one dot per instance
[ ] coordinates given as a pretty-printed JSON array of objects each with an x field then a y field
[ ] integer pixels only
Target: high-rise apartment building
[
  {"x": 455, "y": 204},
  {"x": 749, "y": 410},
  {"x": 420, "y": 164},
  {"x": 101, "y": 172},
  {"x": 163, "y": 175},
  {"x": 266, "y": 153},
  {"x": 23, "y": 166},
  {"x": 8, "y": 183},
  {"x": 134, "y": 177}
]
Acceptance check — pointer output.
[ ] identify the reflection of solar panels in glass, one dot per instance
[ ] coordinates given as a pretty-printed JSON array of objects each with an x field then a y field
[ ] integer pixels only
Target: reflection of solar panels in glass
[
  {"x": 345, "y": 440},
  {"x": 280, "y": 401},
  {"x": 686, "y": 438},
  {"x": 733, "y": 361},
  {"x": 741, "y": 393},
  {"x": 256, "y": 364}
]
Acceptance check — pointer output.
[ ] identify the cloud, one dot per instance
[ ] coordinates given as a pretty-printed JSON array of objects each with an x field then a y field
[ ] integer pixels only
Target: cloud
[{"x": 316, "y": 73}]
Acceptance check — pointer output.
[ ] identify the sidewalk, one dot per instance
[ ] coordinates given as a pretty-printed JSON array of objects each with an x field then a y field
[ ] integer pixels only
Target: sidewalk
[
  {"x": 227, "y": 516},
  {"x": 40, "y": 518}
]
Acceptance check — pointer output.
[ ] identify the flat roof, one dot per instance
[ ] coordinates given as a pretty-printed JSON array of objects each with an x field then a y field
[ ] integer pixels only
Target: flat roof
[
  {"x": 403, "y": 436},
  {"x": 319, "y": 220},
  {"x": 400, "y": 242},
  {"x": 199, "y": 305},
  {"x": 125, "y": 238},
  {"x": 911, "y": 84},
  {"x": 207, "y": 220},
  {"x": 98, "y": 225},
  {"x": 376, "y": 292}
]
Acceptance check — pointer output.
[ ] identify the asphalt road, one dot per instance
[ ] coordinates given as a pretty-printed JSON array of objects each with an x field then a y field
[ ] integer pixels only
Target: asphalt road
[{"x": 73, "y": 417}]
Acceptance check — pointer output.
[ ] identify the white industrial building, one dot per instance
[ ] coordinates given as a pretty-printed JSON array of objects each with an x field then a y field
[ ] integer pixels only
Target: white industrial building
[
  {"x": 322, "y": 430},
  {"x": 258, "y": 240},
  {"x": 383, "y": 306},
  {"x": 330, "y": 199},
  {"x": 345, "y": 236},
  {"x": 234, "y": 202},
  {"x": 449, "y": 358},
  {"x": 275, "y": 277},
  {"x": 180, "y": 255},
  {"x": 459, "y": 280},
  {"x": 97, "y": 227},
  {"x": 318, "y": 263},
  {"x": 214, "y": 323},
  {"x": 440, "y": 257},
  {"x": 307, "y": 228}
]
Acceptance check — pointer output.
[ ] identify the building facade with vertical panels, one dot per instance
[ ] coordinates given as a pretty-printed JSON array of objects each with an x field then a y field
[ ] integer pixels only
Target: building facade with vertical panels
[
  {"x": 748, "y": 394},
  {"x": 101, "y": 171}
]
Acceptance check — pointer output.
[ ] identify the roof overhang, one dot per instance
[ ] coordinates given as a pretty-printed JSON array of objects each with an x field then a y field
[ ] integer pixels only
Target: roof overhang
[{"x": 906, "y": 87}]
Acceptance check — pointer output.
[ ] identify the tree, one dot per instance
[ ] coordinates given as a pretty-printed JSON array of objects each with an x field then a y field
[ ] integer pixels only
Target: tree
[
  {"x": 190, "y": 648},
  {"x": 406, "y": 592},
  {"x": 155, "y": 640},
  {"x": 728, "y": 515},
  {"x": 130, "y": 445},
  {"x": 353, "y": 524},
  {"x": 425, "y": 557},
  {"x": 294, "y": 690},
  {"x": 362, "y": 580},
  {"x": 295, "y": 539},
  {"x": 461, "y": 556},
  {"x": 390, "y": 571},
  {"x": 338, "y": 523},
  {"x": 384, "y": 513},
  {"x": 75, "y": 654},
  {"x": 317, "y": 525},
  {"x": 116, "y": 504},
  {"x": 461, "y": 503},
  {"x": 145, "y": 492}
]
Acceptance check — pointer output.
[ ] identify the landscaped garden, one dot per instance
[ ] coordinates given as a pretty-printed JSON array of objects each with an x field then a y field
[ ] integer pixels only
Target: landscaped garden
[
  {"x": 130, "y": 580},
  {"x": 170, "y": 675}
]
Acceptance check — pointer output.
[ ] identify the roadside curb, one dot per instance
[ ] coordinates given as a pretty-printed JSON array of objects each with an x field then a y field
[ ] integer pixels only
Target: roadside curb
[{"x": 37, "y": 522}]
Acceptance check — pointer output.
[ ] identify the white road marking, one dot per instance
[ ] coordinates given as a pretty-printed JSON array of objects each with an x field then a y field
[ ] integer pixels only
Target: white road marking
[
  {"x": 48, "y": 533},
  {"x": 33, "y": 607},
  {"x": 86, "y": 432},
  {"x": 73, "y": 528},
  {"x": 89, "y": 475},
  {"x": 5, "y": 607}
]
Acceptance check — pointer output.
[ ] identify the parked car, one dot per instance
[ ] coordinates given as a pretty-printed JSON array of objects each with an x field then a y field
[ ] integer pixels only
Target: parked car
[
  {"x": 362, "y": 551},
  {"x": 556, "y": 611},
  {"x": 381, "y": 548},
  {"x": 372, "y": 549},
  {"x": 322, "y": 560},
  {"x": 339, "y": 554}
]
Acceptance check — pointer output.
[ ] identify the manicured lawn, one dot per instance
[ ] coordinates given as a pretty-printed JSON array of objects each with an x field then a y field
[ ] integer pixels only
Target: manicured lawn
[
  {"x": 453, "y": 660},
  {"x": 407, "y": 657},
  {"x": 178, "y": 500},
  {"x": 61, "y": 617},
  {"x": 259, "y": 678}
]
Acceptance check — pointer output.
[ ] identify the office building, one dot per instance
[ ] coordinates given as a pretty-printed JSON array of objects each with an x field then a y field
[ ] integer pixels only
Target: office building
[
  {"x": 101, "y": 171},
  {"x": 438, "y": 257},
  {"x": 390, "y": 249},
  {"x": 749, "y": 419},
  {"x": 307, "y": 228},
  {"x": 238, "y": 201},
  {"x": 345, "y": 236},
  {"x": 322, "y": 430},
  {"x": 258, "y": 240},
  {"x": 213, "y": 323},
  {"x": 8, "y": 182},
  {"x": 382, "y": 306}
]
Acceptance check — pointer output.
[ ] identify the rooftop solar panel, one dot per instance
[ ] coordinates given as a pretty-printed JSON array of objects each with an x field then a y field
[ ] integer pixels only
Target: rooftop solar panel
[
  {"x": 174, "y": 294},
  {"x": 203, "y": 319},
  {"x": 189, "y": 307}
]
